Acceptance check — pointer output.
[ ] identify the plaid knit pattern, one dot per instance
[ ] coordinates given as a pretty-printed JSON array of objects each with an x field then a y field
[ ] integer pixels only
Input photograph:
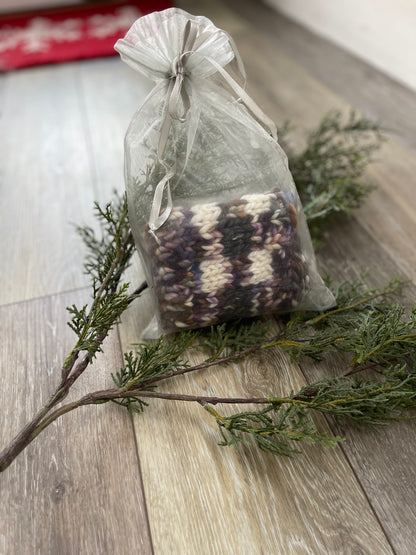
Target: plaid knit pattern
[{"x": 220, "y": 261}]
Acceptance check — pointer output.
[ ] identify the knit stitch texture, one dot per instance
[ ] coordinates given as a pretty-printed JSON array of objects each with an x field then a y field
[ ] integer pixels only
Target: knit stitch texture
[{"x": 220, "y": 261}]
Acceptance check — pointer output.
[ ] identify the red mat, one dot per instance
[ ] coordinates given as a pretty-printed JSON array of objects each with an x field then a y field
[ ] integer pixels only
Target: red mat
[{"x": 65, "y": 34}]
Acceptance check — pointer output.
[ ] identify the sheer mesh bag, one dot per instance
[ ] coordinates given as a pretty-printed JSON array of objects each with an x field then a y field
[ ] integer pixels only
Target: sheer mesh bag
[{"x": 213, "y": 207}]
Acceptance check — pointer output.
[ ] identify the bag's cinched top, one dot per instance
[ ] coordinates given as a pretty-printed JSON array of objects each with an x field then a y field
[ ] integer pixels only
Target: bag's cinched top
[{"x": 157, "y": 43}]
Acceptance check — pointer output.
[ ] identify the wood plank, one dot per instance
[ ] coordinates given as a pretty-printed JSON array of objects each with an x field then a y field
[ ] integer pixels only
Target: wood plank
[
  {"x": 362, "y": 30},
  {"x": 206, "y": 499},
  {"x": 111, "y": 93},
  {"x": 382, "y": 461},
  {"x": 390, "y": 215},
  {"x": 291, "y": 93},
  {"x": 77, "y": 488},
  {"x": 370, "y": 91},
  {"x": 46, "y": 182},
  {"x": 282, "y": 512},
  {"x": 63, "y": 149},
  {"x": 385, "y": 224}
]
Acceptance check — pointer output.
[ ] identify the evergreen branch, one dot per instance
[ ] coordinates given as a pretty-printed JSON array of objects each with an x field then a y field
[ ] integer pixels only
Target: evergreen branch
[
  {"x": 164, "y": 359},
  {"x": 394, "y": 288},
  {"x": 211, "y": 362},
  {"x": 368, "y": 324},
  {"x": 274, "y": 435},
  {"x": 107, "y": 259},
  {"x": 92, "y": 325},
  {"x": 329, "y": 171},
  {"x": 230, "y": 343},
  {"x": 288, "y": 420},
  {"x": 285, "y": 420}
]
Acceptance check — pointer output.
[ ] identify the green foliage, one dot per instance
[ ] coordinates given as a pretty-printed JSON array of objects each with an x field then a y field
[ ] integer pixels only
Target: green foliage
[
  {"x": 384, "y": 336},
  {"x": 287, "y": 421},
  {"x": 369, "y": 328},
  {"x": 92, "y": 326},
  {"x": 273, "y": 429},
  {"x": 153, "y": 360},
  {"x": 227, "y": 340},
  {"x": 111, "y": 252},
  {"x": 363, "y": 402},
  {"x": 368, "y": 325},
  {"x": 371, "y": 331},
  {"x": 329, "y": 172},
  {"x": 107, "y": 258},
  {"x": 166, "y": 357}
]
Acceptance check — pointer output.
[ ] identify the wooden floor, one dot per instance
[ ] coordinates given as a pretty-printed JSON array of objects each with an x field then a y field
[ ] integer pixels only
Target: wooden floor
[{"x": 96, "y": 482}]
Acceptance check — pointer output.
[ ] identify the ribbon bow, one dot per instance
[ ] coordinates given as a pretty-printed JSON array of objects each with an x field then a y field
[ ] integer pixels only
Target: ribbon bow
[{"x": 177, "y": 95}]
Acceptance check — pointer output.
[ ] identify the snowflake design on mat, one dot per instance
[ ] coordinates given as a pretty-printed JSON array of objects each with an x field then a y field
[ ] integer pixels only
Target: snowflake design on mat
[
  {"x": 40, "y": 31},
  {"x": 101, "y": 26},
  {"x": 36, "y": 36}
]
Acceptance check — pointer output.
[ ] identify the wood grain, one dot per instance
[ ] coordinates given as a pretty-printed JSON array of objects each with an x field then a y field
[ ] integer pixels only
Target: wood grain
[
  {"x": 389, "y": 216},
  {"x": 293, "y": 94},
  {"x": 61, "y": 149},
  {"x": 77, "y": 488},
  {"x": 111, "y": 93},
  {"x": 46, "y": 182},
  {"x": 382, "y": 461},
  {"x": 379, "y": 238},
  {"x": 206, "y": 499},
  {"x": 300, "y": 98}
]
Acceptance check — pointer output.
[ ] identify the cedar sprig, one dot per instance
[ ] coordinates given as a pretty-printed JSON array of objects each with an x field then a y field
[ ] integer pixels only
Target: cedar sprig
[
  {"x": 364, "y": 402},
  {"x": 153, "y": 360},
  {"x": 114, "y": 243},
  {"x": 226, "y": 341},
  {"x": 91, "y": 324},
  {"x": 284, "y": 422},
  {"x": 273, "y": 429},
  {"x": 367, "y": 325},
  {"x": 107, "y": 258},
  {"x": 147, "y": 364},
  {"x": 329, "y": 171}
]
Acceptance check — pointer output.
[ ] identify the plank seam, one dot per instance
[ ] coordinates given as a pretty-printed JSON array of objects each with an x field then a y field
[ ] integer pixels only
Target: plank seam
[
  {"x": 47, "y": 296},
  {"x": 140, "y": 474},
  {"x": 362, "y": 488}
]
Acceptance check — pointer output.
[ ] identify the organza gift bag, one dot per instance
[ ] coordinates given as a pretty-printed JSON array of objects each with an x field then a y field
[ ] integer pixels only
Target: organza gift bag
[{"x": 213, "y": 207}]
